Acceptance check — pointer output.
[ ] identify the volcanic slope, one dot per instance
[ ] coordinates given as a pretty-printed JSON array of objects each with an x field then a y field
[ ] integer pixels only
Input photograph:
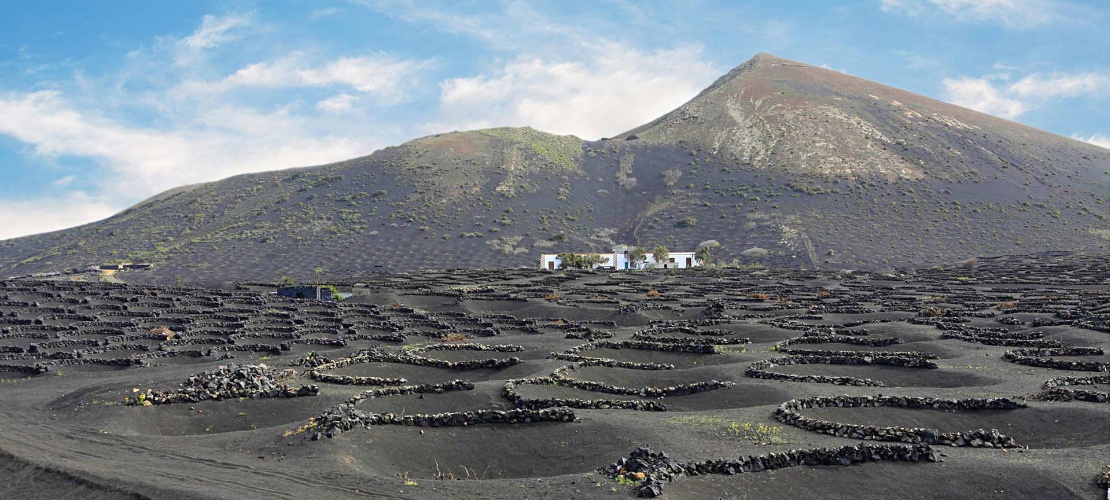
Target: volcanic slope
[{"x": 780, "y": 162}]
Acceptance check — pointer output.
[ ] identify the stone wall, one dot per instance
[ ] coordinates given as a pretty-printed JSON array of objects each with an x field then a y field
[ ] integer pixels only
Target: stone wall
[
  {"x": 654, "y": 469},
  {"x": 789, "y": 413}
]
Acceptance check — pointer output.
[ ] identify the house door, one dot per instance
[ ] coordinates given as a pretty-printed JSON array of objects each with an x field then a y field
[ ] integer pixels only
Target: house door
[
  {"x": 688, "y": 263},
  {"x": 551, "y": 266}
]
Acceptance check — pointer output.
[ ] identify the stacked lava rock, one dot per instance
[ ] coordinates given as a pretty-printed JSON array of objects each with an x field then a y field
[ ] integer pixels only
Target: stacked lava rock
[
  {"x": 227, "y": 382},
  {"x": 654, "y": 469}
]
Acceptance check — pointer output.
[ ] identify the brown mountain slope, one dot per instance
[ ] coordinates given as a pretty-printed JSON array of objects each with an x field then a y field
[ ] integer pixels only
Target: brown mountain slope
[
  {"x": 814, "y": 167},
  {"x": 775, "y": 113}
]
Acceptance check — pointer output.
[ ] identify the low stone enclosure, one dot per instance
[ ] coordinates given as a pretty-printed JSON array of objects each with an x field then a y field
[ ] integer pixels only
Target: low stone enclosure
[
  {"x": 694, "y": 346},
  {"x": 650, "y": 471},
  {"x": 100, "y": 334},
  {"x": 790, "y": 413},
  {"x": 509, "y": 392},
  {"x": 227, "y": 382},
  {"x": 1069, "y": 388},
  {"x": 410, "y": 357},
  {"x": 346, "y": 416},
  {"x": 1040, "y": 358},
  {"x": 784, "y": 347},
  {"x": 761, "y": 369}
]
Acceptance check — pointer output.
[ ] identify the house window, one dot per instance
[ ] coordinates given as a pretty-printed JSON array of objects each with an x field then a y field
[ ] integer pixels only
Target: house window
[{"x": 671, "y": 260}]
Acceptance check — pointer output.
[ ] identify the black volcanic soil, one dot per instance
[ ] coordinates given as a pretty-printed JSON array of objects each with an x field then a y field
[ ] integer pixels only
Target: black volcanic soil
[{"x": 68, "y": 434}]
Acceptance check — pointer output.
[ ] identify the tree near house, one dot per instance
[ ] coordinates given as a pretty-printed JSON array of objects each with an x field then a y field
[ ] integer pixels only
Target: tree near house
[
  {"x": 661, "y": 254},
  {"x": 569, "y": 260},
  {"x": 703, "y": 256},
  {"x": 637, "y": 255}
]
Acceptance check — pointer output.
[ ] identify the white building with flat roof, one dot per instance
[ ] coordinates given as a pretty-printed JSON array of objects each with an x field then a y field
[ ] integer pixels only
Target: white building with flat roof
[{"x": 618, "y": 259}]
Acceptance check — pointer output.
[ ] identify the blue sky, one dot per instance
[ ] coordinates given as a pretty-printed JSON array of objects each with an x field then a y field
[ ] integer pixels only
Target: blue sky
[{"x": 103, "y": 104}]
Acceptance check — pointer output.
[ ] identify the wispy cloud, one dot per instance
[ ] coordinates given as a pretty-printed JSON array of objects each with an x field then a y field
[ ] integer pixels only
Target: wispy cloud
[
  {"x": 326, "y": 12},
  {"x": 613, "y": 90},
  {"x": 999, "y": 96},
  {"x": 982, "y": 95},
  {"x": 382, "y": 75},
  {"x": 215, "y": 30},
  {"x": 338, "y": 103},
  {"x": 1009, "y": 13},
  {"x": 63, "y": 181},
  {"x": 182, "y": 128},
  {"x": 51, "y": 213},
  {"x": 1062, "y": 85},
  {"x": 223, "y": 141},
  {"x": 1101, "y": 140},
  {"x": 560, "y": 77},
  {"x": 512, "y": 26}
]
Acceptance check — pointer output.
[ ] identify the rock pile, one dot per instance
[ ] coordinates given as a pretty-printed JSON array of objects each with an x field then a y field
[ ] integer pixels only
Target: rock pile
[{"x": 227, "y": 382}]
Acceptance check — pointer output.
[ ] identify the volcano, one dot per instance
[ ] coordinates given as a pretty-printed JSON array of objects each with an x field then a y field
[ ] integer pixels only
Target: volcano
[{"x": 782, "y": 163}]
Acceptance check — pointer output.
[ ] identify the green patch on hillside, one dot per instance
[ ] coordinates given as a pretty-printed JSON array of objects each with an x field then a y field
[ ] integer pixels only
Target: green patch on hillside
[{"x": 560, "y": 151}]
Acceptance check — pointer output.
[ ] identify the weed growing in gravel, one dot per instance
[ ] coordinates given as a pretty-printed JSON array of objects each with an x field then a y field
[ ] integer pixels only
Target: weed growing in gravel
[
  {"x": 300, "y": 430},
  {"x": 631, "y": 479},
  {"x": 759, "y": 433}
]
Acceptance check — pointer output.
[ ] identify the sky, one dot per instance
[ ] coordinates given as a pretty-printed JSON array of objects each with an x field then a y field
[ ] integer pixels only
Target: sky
[{"x": 104, "y": 104}]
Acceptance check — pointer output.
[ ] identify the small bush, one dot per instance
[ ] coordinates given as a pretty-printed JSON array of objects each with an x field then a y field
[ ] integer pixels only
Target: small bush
[{"x": 688, "y": 222}]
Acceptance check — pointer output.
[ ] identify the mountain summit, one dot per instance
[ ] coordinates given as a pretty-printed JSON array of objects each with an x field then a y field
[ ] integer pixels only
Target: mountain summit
[
  {"x": 777, "y": 114},
  {"x": 781, "y": 163}
]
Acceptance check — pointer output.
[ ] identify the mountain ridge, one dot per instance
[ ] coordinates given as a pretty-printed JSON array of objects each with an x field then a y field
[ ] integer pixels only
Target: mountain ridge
[{"x": 805, "y": 163}]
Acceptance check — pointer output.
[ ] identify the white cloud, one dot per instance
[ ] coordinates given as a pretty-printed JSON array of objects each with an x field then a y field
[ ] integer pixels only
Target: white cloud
[
  {"x": 326, "y": 12},
  {"x": 981, "y": 95},
  {"x": 612, "y": 90},
  {"x": 191, "y": 126},
  {"x": 382, "y": 75},
  {"x": 996, "y": 95},
  {"x": 215, "y": 30},
  {"x": 1099, "y": 140},
  {"x": 338, "y": 103},
  {"x": 21, "y": 218},
  {"x": 223, "y": 141},
  {"x": 64, "y": 181},
  {"x": 1010, "y": 13},
  {"x": 1062, "y": 85}
]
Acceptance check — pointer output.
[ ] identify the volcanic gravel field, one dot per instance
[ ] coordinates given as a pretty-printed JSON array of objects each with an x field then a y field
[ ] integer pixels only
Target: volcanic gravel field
[{"x": 985, "y": 380}]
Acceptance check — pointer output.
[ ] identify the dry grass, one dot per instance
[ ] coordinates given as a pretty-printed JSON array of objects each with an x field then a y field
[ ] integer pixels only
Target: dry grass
[
  {"x": 161, "y": 333},
  {"x": 454, "y": 337},
  {"x": 931, "y": 311}
]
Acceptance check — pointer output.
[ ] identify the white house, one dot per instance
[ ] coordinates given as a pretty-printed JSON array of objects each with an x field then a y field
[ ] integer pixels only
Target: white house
[{"x": 618, "y": 259}]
